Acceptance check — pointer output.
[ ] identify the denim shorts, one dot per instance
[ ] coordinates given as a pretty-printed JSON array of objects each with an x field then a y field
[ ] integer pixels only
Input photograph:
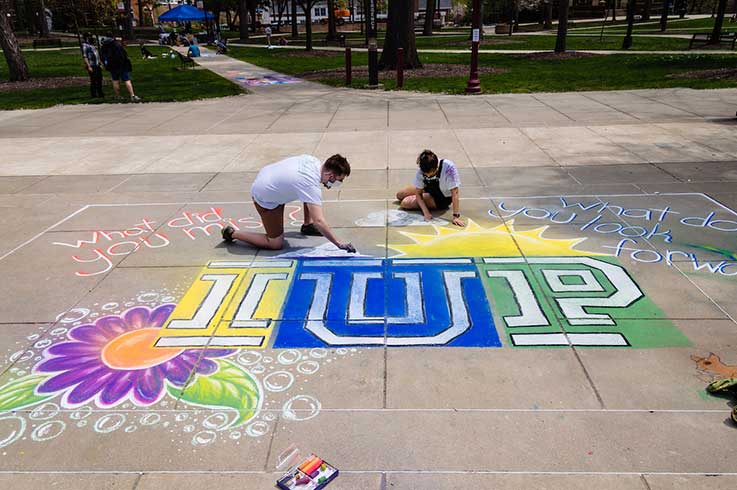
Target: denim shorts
[{"x": 121, "y": 75}]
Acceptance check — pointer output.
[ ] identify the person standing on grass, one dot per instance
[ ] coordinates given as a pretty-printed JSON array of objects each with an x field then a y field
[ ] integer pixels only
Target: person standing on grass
[
  {"x": 436, "y": 186},
  {"x": 92, "y": 62},
  {"x": 298, "y": 178},
  {"x": 116, "y": 61},
  {"x": 267, "y": 31}
]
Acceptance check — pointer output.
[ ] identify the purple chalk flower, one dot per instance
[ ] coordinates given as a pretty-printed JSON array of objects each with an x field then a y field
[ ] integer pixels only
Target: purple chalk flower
[{"x": 114, "y": 360}]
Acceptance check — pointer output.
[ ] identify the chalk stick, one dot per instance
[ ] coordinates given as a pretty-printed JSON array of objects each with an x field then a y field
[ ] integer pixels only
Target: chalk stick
[
  {"x": 303, "y": 481},
  {"x": 307, "y": 463},
  {"x": 312, "y": 467}
]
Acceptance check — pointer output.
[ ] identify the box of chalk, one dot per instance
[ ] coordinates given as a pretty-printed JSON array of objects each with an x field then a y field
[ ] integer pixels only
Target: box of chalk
[{"x": 312, "y": 474}]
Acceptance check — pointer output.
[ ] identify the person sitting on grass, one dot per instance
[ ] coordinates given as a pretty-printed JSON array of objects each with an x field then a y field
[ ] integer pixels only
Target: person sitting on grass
[
  {"x": 193, "y": 51},
  {"x": 436, "y": 186},
  {"x": 293, "y": 179}
]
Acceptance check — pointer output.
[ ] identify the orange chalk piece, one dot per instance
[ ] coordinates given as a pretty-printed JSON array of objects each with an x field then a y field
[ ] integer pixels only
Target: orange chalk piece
[
  {"x": 307, "y": 463},
  {"x": 312, "y": 466}
]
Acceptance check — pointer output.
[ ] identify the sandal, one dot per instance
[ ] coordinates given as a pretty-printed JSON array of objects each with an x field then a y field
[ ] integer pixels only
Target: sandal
[
  {"x": 310, "y": 230},
  {"x": 227, "y": 233}
]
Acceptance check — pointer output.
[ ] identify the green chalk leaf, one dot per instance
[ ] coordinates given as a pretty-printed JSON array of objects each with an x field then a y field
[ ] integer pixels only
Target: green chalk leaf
[
  {"x": 229, "y": 387},
  {"x": 21, "y": 393}
]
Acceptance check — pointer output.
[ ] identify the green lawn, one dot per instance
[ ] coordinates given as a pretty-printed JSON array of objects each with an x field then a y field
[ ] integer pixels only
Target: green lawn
[
  {"x": 609, "y": 72},
  {"x": 155, "y": 80},
  {"x": 514, "y": 42},
  {"x": 675, "y": 26}
]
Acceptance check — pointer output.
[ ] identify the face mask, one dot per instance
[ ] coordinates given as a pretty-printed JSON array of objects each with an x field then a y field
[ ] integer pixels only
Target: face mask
[{"x": 333, "y": 185}]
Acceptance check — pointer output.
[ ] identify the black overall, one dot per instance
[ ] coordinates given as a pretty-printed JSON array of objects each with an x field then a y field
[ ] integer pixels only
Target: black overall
[{"x": 432, "y": 187}]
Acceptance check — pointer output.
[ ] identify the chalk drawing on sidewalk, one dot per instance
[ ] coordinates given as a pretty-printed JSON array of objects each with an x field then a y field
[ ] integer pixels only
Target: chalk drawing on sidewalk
[{"x": 247, "y": 78}]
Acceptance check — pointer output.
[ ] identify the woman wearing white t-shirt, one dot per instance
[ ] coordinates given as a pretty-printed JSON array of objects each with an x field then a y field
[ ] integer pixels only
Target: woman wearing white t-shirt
[
  {"x": 293, "y": 179},
  {"x": 436, "y": 186}
]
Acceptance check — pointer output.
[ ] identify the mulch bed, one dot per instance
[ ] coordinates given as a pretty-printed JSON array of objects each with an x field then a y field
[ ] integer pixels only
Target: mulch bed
[
  {"x": 552, "y": 55},
  {"x": 429, "y": 70},
  {"x": 315, "y": 53},
  {"x": 55, "y": 82},
  {"x": 718, "y": 74}
]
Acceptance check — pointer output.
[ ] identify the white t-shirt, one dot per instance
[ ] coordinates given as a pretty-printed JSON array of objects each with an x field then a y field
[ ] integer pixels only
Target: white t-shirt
[
  {"x": 449, "y": 178},
  {"x": 292, "y": 179}
]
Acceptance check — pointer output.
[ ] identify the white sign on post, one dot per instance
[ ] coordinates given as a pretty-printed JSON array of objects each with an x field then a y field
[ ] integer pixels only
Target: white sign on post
[{"x": 475, "y": 35}]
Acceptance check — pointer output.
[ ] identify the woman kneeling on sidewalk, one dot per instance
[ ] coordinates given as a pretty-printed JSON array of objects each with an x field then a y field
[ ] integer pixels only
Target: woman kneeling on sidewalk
[
  {"x": 436, "y": 186},
  {"x": 293, "y": 179}
]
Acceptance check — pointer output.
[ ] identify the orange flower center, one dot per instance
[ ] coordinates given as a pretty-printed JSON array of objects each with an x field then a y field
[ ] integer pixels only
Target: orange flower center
[{"x": 135, "y": 350}]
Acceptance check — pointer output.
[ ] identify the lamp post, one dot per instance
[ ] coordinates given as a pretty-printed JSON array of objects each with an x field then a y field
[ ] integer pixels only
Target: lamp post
[
  {"x": 373, "y": 52},
  {"x": 474, "y": 85}
]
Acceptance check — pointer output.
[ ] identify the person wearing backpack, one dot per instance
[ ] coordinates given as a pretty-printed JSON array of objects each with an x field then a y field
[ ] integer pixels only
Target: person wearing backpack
[{"x": 115, "y": 60}]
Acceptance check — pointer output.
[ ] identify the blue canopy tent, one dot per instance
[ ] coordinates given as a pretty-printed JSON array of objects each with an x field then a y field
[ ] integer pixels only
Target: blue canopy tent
[{"x": 185, "y": 13}]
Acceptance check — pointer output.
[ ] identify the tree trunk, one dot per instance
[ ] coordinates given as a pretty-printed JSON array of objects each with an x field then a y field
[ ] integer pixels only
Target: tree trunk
[
  {"x": 43, "y": 25},
  {"x": 293, "y": 15},
  {"x": 140, "y": 13},
  {"x": 332, "y": 30},
  {"x": 127, "y": 21},
  {"x": 646, "y": 10},
  {"x": 17, "y": 67},
  {"x": 560, "y": 40},
  {"x": 627, "y": 43},
  {"x": 308, "y": 28},
  {"x": 252, "y": 12},
  {"x": 548, "y": 14},
  {"x": 243, "y": 19},
  {"x": 614, "y": 10},
  {"x": 717, "y": 31},
  {"x": 400, "y": 33},
  {"x": 429, "y": 17},
  {"x": 664, "y": 16}
]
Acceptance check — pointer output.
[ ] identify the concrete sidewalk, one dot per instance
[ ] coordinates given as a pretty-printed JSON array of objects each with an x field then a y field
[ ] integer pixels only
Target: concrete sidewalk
[{"x": 562, "y": 340}]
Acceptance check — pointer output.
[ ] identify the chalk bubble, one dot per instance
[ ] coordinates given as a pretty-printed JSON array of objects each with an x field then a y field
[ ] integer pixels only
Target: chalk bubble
[
  {"x": 257, "y": 428},
  {"x": 168, "y": 299},
  {"x": 59, "y": 331},
  {"x": 109, "y": 306},
  {"x": 188, "y": 428},
  {"x": 147, "y": 297},
  {"x": 204, "y": 438},
  {"x": 82, "y": 423},
  {"x": 301, "y": 407},
  {"x": 22, "y": 356},
  {"x": 318, "y": 353},
  {"x": 259, "y": 369},
  {"x": 12, "y": 428},
  {"x": 216, "y": 421},
  {"x": 33, "y": 337},
  {"x": 278, "y": 381},
  {"x": 130, "y": 428},
  {"x": 150, "y": 419},
  {"x": 109, "y": 423},
  {"x": 269, "y": 417},
  {"x": 289, "y": 357},
  {"x": 45, "y": 412},
  {"x": 73, "y": 315},
  {"x": 249, "y": 358},
  {"x": 81, "y": 414},
  {"x": 42, "y": 344},
  {"x": 308, "y": 367},
  {"x": 235, "y": 435},
  {"x": 48, "y": 431},
  {"x": 181, "y": 417},
  {"x": 341, "y": 351}
]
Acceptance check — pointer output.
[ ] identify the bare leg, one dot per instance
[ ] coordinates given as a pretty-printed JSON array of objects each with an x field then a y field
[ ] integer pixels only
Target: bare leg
[
  {"x": 410, "y": 202},
  {"x": 129, "y": 87},
  {"x": 405, "y": 192},
  {"x": 260, "y": 240},
  {"x": 116, "y": 87}
]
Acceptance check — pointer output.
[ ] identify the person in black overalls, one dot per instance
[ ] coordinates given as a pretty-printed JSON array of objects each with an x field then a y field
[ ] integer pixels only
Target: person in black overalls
[{"x": 436, "y": 186}]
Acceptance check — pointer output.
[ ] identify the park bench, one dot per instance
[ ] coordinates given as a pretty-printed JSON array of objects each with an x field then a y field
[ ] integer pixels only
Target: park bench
[
  {"x": 705, "y": 38},
  {"x": 186, "y": 60},
  {"x": 47, "y": 43}
]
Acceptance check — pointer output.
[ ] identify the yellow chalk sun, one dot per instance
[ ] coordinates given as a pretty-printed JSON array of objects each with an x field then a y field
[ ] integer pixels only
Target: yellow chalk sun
[{"x": 476, "y": 241}]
